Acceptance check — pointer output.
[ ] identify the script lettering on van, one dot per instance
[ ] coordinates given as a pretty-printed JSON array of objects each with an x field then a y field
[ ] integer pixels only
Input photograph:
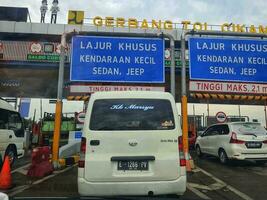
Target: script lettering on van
[
  {"x": 168, "y": 140},
  {"x": 131, "y": 107}
]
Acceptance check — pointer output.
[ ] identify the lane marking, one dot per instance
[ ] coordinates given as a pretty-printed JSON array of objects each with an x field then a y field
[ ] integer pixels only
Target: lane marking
[
  {"x": 21, "y": 168},
  {"x": 237, "y": 192},
  {"x": 197, "y": 192},
  {"x": 199, "y": 186},
  {"x": 216, "y": 186},
  {"x": 19, "y": 190}
]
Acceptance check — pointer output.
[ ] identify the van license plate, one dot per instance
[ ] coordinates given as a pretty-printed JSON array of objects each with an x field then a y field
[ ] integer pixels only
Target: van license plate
[
  {"x": 253, "y": 144},
  {"x": 133, "y": 165}
]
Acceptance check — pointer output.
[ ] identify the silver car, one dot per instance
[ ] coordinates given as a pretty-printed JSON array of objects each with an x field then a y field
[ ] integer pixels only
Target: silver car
[{"x": 235, "y": 140}]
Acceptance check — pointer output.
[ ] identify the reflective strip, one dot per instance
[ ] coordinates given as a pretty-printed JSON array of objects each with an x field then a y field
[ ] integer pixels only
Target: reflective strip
[
  {"x": 214, "y": 96},
  {"x": 207, "y": 96},
  {"x": 250, "y": 97},
  {"x": 227, "y": 96},
  {"x": 78, "y": 98}
]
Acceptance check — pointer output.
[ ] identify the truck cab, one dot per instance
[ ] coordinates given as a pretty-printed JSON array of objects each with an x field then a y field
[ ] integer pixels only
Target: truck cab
[{"x": 12, "y": 132}]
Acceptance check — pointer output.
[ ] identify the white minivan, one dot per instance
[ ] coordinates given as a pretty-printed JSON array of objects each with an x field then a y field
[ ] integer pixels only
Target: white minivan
[
  {"x": 234, "y": 140},
  {"x": 12, "y": 132},
  {"x": 131, "y": 145}
]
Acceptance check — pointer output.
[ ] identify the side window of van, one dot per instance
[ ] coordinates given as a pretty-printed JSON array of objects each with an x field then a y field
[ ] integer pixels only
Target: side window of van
[
  {"x": 14, "y": 121},
  {"x": 11, "y": 121},
  {"x": 4, "y": 119}
]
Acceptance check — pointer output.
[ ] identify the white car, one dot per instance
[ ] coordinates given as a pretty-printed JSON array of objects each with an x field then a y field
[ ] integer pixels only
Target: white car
[
  {"x": 236, "y": 140},
  {"x": 131, "y": 145}
]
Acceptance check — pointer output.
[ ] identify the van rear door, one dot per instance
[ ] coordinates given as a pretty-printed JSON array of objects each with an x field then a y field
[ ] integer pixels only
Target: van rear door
[{"x": 132, "y": 140}]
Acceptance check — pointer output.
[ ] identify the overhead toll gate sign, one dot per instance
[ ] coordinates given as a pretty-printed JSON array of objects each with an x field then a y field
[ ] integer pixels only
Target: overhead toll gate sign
[
  {"x": 228, "y": 59},
  {"x": 117, "y": 59}
]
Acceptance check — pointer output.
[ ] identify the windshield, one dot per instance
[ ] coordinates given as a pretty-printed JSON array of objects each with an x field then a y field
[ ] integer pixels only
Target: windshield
[
  {"x": 249, "y": 128},
  {"x": 132, "y": 114}
]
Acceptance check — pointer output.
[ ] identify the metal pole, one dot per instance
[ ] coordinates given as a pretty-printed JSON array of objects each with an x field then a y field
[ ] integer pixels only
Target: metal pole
[
  {"x": 208, "y": 108},
  {"x": 239, "y": 110},
  {"x": 172, "y": 70},
  {"x": 194, "y": 114},
  {"x": 41, "y": 108},
  {"x": 58, "y": 113},
  {"x": 265, "y": 115},
  {"x": 183, "y": 74},
  {"x": 184, "y": 104}
]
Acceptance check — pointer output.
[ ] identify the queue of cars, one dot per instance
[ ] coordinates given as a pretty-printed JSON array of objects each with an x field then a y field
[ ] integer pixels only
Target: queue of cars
[{"x": 234, "y": 141}]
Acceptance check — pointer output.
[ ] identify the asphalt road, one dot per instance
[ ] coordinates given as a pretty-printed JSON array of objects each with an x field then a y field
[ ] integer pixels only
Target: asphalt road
[
  {"x": 247, "y": 177},
  {"x": 209, "y": 180}
]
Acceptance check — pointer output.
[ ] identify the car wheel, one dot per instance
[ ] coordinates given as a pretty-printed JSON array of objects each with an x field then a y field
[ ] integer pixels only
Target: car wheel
[
  {"x": 198, "y": 150},
  {"x": 223, "y": 156},
  {"x": 12, "y": 154}
]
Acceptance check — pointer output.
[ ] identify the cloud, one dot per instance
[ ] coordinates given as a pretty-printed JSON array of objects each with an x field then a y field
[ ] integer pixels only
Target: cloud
[{"x": 210, "y": 11}]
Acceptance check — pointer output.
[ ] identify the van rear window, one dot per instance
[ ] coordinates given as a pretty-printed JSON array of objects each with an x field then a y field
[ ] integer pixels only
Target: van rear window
[{"x": 132, "y": 114}]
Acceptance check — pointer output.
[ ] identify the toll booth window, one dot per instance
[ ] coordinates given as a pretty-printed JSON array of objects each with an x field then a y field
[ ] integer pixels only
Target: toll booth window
[{"x": 132, "y": 114}]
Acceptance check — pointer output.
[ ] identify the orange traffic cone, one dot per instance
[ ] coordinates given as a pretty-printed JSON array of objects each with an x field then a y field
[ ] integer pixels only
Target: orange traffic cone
[
  {"x": 5, "y": 175},
  {"x": 188, "y": 166}
]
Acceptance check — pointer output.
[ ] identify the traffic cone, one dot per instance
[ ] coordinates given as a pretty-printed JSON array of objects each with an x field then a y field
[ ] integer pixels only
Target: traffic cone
[
  {"x": 188, "y": 165},
  {"x": 191, "y": 161},
  {"x": 5, "y": 175}
]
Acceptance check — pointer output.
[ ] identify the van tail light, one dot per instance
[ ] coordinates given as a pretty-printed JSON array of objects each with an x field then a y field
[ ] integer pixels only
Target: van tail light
[
  {"x": 181, "y": 152},
  {"x": 264, "y": 142},
  {"x": 82, "y": 153},
  {"x": 234, "y": 139}
]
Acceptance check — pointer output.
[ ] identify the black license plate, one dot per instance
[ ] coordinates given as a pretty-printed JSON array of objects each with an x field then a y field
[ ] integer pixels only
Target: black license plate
[
  {"x": 254, "y": 145},
  {"x": 133, "y": 165}
]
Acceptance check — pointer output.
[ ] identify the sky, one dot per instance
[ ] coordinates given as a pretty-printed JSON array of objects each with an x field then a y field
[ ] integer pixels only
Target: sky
[
  {"x": 214, "y": 12},
  {"x": 210, "y": 11}
]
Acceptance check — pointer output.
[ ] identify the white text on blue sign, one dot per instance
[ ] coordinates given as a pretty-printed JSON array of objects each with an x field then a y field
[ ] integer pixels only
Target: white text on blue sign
[
  {"x": 228, "y": 59},
  {"x": 117, "y": 59}
]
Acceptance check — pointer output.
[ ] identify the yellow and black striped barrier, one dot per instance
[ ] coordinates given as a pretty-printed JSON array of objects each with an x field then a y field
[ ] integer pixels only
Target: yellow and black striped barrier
[
  {"x": 78, "y": 98},
  {"x": 228, "y": 96},
  {"x": 63, "y": 162}
]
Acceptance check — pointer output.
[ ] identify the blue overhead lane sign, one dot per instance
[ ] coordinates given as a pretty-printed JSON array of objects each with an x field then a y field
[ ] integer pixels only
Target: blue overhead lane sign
[
  {"x": 228, "y": 59},
  {"x": 117, "y": 59}
]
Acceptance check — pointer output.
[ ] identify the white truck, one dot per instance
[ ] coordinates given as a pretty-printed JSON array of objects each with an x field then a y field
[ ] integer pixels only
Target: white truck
[{"x": 12, "y": 132}]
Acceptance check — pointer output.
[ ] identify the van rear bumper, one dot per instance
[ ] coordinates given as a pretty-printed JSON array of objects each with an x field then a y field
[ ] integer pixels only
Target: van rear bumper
[{"x": 86, "y": 188}]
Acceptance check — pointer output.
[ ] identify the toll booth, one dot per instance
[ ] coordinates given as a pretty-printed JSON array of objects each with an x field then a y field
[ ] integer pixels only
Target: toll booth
[
  {"x": 47, "y": 127},
  {"x": 212, "y": 119}
]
